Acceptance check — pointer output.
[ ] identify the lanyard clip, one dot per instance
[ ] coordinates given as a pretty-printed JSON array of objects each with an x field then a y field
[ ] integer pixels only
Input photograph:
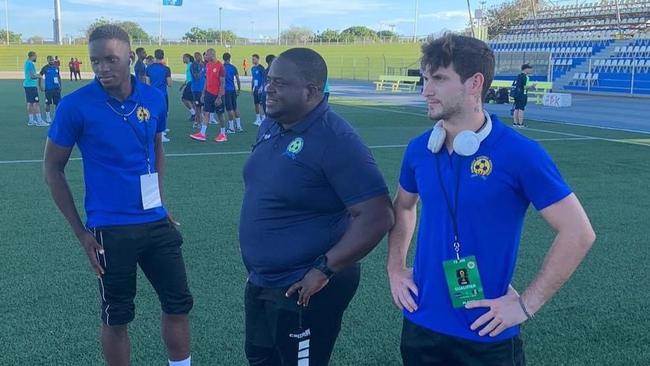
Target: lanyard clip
[
  {"x": 457, "y": 247},
  {"x": 148, "y": 166}
]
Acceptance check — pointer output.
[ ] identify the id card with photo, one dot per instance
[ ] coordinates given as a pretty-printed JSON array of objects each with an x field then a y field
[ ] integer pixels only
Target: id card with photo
[{"x": 463, "y": 281}]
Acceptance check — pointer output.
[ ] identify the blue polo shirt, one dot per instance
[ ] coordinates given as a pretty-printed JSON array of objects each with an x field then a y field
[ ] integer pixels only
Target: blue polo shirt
[
  {"x": 198, "y": 77},
  {"x": 258, "y": 77},
  {"x": 52, "y": 77},
  {"x": 113, "y": 155},
  {"x": 496, "y": 187},
  {"x": 298, "y": 184},
  {"x": 231, "y": 71},
  {"x": 158, "y": 74}
]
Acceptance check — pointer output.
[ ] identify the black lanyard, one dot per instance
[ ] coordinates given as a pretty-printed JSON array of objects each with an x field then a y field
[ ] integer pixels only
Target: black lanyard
[
  {"x": 452, "y": 209},
  {"x": 145, "y": 143}
]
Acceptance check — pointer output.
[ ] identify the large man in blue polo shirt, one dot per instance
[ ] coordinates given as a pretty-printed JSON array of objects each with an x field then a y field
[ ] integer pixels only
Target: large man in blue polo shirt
[
  {"x": 475, "y": 178},
  {"x": 314, "y": 204},
  {"x": 117, "y": 122}
]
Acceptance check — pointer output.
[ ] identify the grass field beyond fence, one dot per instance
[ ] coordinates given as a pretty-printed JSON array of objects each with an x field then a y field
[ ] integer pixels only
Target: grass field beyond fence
[
  {"x": 49, "y": 301},
  {"x": 356, "y": 62}
]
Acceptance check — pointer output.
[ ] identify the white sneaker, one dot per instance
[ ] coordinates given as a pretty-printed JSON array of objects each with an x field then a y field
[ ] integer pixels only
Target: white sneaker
[
  {"x": 32, "y": 123},
  {"x": 230, "y": 131},
  {"x": 42, "y": 124},
  {"x": 257, "y": 123},
  {"x": 165, "y": 139},
  {"x": 239, "y": 129},
  {"x": 213, "y": 121}
]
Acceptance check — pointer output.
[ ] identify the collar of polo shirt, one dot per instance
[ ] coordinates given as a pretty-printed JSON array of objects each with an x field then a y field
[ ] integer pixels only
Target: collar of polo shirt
[
  {"x": 309, "y": 119},
  {"x": 103, "y": 96}
]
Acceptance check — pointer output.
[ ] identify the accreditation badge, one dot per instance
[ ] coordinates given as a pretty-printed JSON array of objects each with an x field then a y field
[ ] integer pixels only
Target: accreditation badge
[
  {"x": 150, "y": 191},
  {"x": 463, "y": 281}
]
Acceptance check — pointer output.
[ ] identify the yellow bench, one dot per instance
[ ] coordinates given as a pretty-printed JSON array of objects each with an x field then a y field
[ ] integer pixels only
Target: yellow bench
[
  {"x": 397, "y": 83},
  {"x": 541, "y": 88}
]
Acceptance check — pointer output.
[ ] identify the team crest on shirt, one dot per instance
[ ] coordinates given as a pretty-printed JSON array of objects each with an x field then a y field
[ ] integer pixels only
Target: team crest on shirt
[
  {"x": 481, "y": 167},
  {"x": 295, "y": 147},
  {"x": 143, "y": 114}
]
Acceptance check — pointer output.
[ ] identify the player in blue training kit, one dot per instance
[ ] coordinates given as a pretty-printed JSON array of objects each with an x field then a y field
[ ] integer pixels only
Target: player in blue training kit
[
  {"x": 52, "y": 76},
  {"x": 159, "y": 76},
  {"x": 475, "y": 178},
  {"x": 232, "y": 92},
  {"x": 258, "y": 80},
  {"x": 31, "y": 91}
]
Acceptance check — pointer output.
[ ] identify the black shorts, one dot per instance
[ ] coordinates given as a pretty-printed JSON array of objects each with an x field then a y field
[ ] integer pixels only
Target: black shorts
[
  {"x": 196, "y": 96},
  {"x": 210, "y": 107},
  {"x": 230, "y": 100},
  {"x": 53, "y": 96},
  {"x": 521, "y": 101},
  {"x": 258, "y": 96},
  {"x": 279, "y": 332},
  {"x": 422, "y": 346},
  {"x": 31, "y": 94},
  {"x": 187, "y": 93},
  {"x": 156, "y": 247}
]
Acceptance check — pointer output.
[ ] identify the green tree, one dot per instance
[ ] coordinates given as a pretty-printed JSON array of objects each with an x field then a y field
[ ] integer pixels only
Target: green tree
[
  {"x": 358, "y": 32},
  {"x": 501, "y": 17},
  {"x": 386, "y": 34},
  {"x": 329, "y": 35},
  {"x": 35, "y": 39},
  {"x": 199, "y": 34},
  {"x": 134, "y": 30},
  {"x": 13, "y": 37},
  {"x": 297, "y": 34}
]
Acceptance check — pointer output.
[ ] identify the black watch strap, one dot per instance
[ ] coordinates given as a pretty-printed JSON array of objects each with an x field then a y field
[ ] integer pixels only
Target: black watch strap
[{"x": 321, "y": 264}]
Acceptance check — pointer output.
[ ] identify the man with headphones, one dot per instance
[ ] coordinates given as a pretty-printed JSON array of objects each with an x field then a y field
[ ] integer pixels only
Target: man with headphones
[{"x": 475, "y": 178}]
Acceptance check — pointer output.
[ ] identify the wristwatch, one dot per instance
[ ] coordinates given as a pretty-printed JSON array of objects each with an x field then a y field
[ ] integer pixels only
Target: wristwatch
[{"x": 321, "y": 264}]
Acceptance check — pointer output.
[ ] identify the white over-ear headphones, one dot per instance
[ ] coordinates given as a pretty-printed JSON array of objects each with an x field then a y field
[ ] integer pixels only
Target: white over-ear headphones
[{"x": 466, "y": 143}]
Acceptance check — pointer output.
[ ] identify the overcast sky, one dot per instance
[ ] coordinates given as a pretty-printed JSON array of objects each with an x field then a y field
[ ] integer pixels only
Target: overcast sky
[{"x": 247, "y": 18}]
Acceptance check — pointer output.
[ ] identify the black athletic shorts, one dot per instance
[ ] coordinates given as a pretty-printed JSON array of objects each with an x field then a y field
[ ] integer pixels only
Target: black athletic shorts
[
  {"x": 210, "y": 107},
  {"x": 230, "y": 100},
  {"x": 197, "y": 98},
  {"x": 423, "y": 347},
  {"x": 156, "y": 248},
  {"x": 187, "y": 93},
  {"x": 31, "y": 94},
  {"x": 279, "y": 332},
  {"x": 521, "y": 101},
  {"x": 258, "y": 96},
  {"x": 53, "y": 96}
]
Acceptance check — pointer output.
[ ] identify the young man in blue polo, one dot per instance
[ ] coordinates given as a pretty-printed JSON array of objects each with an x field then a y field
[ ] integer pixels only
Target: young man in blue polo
[
  {"x": 258, "y": 79},
  {"x": 159, "y": 76},
  {"x": 31, "y": 92},
  {"x": 233, "y": 87},
  {"x": 475, "y": 179},
  {"x": 140, "y": 69},
  {"x": 117, "y": 122},
  {"x": 314, "y": 205},
  {"x": 50, "y": 72}
]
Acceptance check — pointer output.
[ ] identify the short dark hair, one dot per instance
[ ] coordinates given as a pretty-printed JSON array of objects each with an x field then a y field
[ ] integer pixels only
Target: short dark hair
[
  {"x": 139, "y": 49},
  {"x": 189, "y": 57},
  {"x": 467, "y": 55},
  {"x": 226, "y": 56},
  {"x": 159, "y": 54},
  {"x": 149, "y": 57},
  {"x": 31, "y": 53},
  {"x": 525, "y": 66},
  {"x": 269, "y": 58},
  {"x": 109, "y": 31},
  {"x": 310, "y": 65},
  {"x": 256, "y": 56}
]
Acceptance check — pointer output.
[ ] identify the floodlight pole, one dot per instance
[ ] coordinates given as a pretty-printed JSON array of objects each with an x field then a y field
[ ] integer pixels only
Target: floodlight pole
[
  {"x": 278, "y": 22},
  {"x": 415, "y": 23},
  {"x": 7, "y": 19},
  {"x": 220, "y": 28},
  {"x": 471, "y": 22},
  {"x": 160, "y": 23}
]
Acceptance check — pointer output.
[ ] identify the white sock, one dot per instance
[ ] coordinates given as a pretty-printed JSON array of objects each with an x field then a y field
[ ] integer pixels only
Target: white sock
[
  {"x": 185, "y": 362},
  {"x": 39, "y": 118},
  {"x": 231, "y": 125},
  {"x": 212, "y": 117},
  {"x": 223, "y": 130},
  {"x": 257, "y": 118},
  {"x": 238, "y": 120},
  {"x": 49, "y": 118},
  {"x": 204, "y": 129},
  {"x": 192, "y": 111},
  {"x": 31, "y": 117}
]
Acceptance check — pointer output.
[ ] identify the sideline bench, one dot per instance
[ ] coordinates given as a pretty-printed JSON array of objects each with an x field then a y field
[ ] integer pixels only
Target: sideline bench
[
  {"x": 396, "y": 83},
  {"x": 537, "y": 94}
]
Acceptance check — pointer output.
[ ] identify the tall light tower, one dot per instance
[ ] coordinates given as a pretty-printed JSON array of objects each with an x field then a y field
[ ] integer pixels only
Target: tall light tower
[{"x": 58, "y": 34}]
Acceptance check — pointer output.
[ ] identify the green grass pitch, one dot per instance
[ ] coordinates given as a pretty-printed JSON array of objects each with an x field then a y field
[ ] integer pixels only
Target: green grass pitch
[{"x": 49, "y": 301}]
